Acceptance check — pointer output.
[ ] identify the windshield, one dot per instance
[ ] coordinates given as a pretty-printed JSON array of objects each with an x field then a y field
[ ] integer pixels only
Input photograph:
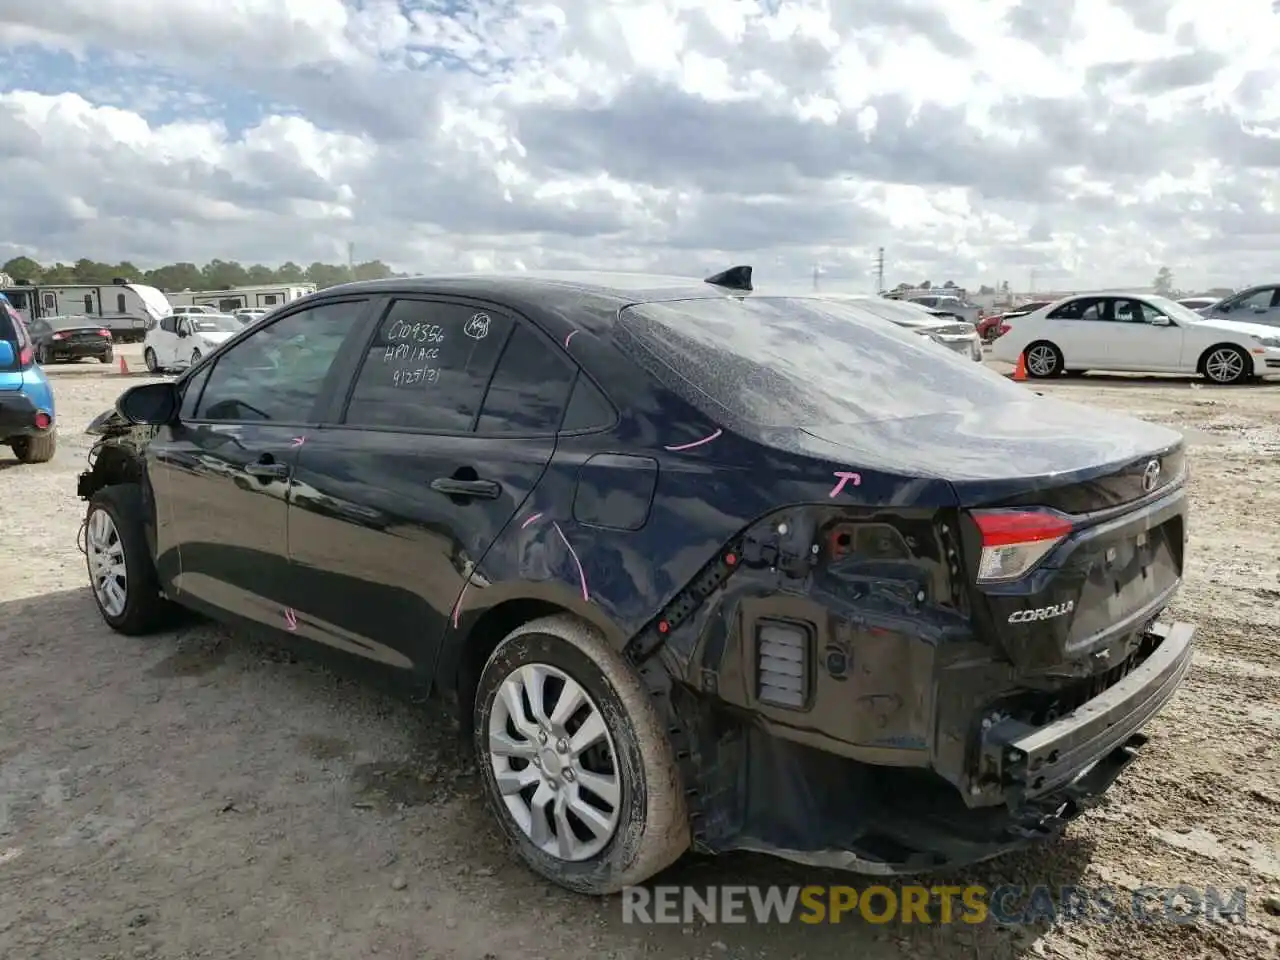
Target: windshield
[
  {"x": 1175, "y": 310},
  {"x": 211, "y": 323},
  {"x": 783, "y": 361}
]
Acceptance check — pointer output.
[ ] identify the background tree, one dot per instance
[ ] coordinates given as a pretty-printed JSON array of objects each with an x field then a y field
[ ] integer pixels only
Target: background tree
[
  {"x": 177, "y": 277},
  {"x": 1163, "y": 282}
]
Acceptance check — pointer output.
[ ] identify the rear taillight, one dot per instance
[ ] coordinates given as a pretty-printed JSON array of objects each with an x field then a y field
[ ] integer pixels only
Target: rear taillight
[
  {"x": 1003, "y": 329},
  {"x": 104, "y": 332},
  {"x": 26, "y": 357},
  {"x": 59, "y": 336},
  {"x": 1014, "y": 541},
  {"x": 43, "y": 420}
]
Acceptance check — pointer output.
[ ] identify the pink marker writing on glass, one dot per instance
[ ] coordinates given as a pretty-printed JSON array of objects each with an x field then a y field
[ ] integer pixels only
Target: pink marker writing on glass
[{"x": 854, "y": 478}]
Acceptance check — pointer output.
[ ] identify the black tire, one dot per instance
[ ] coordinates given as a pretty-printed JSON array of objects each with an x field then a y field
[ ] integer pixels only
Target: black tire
[
  {"x": 42, "y": 355},
  {"x": 107, "y": 357},
  {"x": 149, "y": 358},
  {"x": 653, "y": 825},
  {"x": 35, "y": 449},
  {"x": 1047, "y": 359},
  {"x": 145, "y": 609},
  {"x": 1216, "y": 367}
]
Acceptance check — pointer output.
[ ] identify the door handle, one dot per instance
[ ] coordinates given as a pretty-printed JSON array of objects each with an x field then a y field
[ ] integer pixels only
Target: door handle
[
  {"x": 267, "y": 470},
  {"x": 453, "y": 487}
]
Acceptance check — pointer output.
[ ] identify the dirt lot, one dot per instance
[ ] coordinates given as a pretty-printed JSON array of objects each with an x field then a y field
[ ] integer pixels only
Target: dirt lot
[{"x": 201, "y": 794}]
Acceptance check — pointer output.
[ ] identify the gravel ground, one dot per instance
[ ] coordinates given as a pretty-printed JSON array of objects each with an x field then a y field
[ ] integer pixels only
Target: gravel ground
[{"x": 205, "y": 794}]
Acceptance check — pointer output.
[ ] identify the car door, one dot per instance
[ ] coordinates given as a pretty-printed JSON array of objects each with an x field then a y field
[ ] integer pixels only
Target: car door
[
  {"x": 165, "y": 340},
  {"x": 1132, "y": 343},
  {"x": 1075, "y": 327},
  {"x": 221, "y": 474},
  {"x": 1165, "y": 343},
  {"x": 450, "y": 424}
]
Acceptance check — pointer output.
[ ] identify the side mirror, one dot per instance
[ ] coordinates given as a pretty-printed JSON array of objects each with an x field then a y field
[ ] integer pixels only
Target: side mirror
[
  {"x": 152, "y": 404},
  {"x": 1223, "y": 308},
  {"x": 1160, "y": 320},
  {"x": 182, "y": 333},
  {"x": 6, "y": 353}
]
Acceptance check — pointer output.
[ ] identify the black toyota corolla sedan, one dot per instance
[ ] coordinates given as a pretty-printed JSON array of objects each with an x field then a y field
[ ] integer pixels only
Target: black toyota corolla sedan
[{"x": 705, "y": 568}]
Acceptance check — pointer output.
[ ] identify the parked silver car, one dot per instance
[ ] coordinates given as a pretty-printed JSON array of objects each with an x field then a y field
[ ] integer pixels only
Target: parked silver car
[
  {"x": 939, "y": 325},
  {"x": 945, "y": 303},
  {"x": 1260, "y": 304}
]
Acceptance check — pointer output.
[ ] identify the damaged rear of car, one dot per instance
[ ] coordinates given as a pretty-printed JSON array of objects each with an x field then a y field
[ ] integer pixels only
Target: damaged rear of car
[{"x": 941, "y": 640}]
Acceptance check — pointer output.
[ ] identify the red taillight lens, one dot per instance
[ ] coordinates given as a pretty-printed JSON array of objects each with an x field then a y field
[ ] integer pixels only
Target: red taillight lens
[
  {"x": 1003, "y": 329},
  {"x": 43, "y": 420},
  {"x": 104, "y": 332},
  {"x": 59, "y": 336},
  {"x": 1014, "y": 541},
  {"x": 26, "y": 357}
]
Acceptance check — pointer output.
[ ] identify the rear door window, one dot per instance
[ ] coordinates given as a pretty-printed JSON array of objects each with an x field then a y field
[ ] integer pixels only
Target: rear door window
[
  {"x": 795, "y": 361},
  {"x": 428, "y": 367}
]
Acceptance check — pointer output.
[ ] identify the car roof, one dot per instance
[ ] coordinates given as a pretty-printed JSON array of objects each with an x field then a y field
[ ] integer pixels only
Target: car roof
[{"x": 563, "y": 292}]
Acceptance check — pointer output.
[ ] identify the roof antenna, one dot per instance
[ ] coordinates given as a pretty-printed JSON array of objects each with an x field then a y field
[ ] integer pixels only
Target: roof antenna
[{"x": 735, "y": 278}]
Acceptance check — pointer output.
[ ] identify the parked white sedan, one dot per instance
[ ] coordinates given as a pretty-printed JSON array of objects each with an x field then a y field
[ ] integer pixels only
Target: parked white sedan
[{"x": 1138, "y": 333}]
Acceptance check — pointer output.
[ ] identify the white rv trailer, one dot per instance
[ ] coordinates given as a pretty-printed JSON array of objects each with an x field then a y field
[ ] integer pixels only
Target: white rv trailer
[
  {"x": 126, "y": 309},
  {"x": 224, "y": 301}
]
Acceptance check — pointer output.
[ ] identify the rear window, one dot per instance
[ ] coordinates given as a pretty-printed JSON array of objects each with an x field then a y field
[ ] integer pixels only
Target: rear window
[{"x": 783, "y": 362}]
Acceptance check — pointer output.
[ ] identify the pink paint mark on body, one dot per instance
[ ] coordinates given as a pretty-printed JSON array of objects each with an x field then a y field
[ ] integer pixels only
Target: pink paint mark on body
[
  {"x": 532, "y": 519},
  {"x": 696, "y": 443},
  {"x": 582, "y": 576},
  {"x": 571, "y": 335},
  {"x": 854, "y": 478},
  {"x": 457, "y": 604},
  {"x": 299, "y": 441},
  {"x": 290, "y": 619}
]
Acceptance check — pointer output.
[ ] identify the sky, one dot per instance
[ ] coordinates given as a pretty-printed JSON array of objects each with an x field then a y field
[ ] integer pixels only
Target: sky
[{"x": 1065, "y": 145}]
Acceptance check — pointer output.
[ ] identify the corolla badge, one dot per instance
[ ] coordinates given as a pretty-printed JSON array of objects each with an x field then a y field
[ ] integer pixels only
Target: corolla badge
[
  {"x": 1042, "y": 613},
  {"x": 1151, "y": 476}
]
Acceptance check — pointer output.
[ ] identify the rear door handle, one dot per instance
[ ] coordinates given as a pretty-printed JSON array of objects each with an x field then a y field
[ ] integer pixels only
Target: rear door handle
[
  {"x": 453, "y": 487},
  {"x": 267, "y": 470}
]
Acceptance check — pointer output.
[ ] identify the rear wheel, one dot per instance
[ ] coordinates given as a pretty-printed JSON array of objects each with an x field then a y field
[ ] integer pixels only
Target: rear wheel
[
  {"x": 42, "y": 355},
  {"x": 1043, "y": 360},
  {"x": 107, "y": 356},
  {"x": 1225, "y": 364},
  {"x": 149, "y": 358},
  {"x": 578, "y": 767},
  {"x": 121, "y": 573},
  {"x": 35, "y": 449}
]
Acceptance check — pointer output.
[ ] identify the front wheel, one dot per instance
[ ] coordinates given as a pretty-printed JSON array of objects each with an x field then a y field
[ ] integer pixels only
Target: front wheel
[
  {"x": 121, "y": 573},
  {"x": 1226, "y": 365},
  {"x": 149, "y": 358},
  {"x": 578, "y": 766},
  {"x": 1043, "y": 360}
]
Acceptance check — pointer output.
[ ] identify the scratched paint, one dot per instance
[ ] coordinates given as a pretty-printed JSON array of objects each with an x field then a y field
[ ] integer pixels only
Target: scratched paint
[
  {"x": 844, "y": 478},
  {"x": 572, "y": 334},
  {"x": 582, "y": 576},
  {"x": 533, "y": 518},
  {"x": 696, "y": 443},
  {"x": 290, "y": 619},
  {"x": 457, "y": 604}
]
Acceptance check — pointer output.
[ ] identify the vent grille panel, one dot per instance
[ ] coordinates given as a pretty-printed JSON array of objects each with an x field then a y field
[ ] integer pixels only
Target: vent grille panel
[{"x": 782, "y": 664}]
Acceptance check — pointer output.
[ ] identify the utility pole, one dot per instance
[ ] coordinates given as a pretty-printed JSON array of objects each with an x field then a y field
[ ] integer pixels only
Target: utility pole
[
  {"x": 351, "y": 256},
  {"x": 880, "y": 270}
]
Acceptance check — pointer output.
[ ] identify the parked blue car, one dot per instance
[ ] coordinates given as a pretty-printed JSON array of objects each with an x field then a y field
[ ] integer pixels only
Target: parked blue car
[{"x": 27, "y": 419}]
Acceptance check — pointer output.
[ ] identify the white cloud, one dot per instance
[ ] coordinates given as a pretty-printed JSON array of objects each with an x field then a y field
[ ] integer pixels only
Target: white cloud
[{"x": 976, "y": 140}]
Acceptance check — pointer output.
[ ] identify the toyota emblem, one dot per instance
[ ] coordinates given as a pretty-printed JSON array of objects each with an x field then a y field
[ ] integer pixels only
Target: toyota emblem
[{"x": 1151, "y": 476}]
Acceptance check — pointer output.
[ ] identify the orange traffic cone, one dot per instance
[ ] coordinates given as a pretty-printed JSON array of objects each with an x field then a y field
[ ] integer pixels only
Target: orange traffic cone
[
  {"x": 1019, "y": 370},
  {"x": 124, "y": 367}
]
